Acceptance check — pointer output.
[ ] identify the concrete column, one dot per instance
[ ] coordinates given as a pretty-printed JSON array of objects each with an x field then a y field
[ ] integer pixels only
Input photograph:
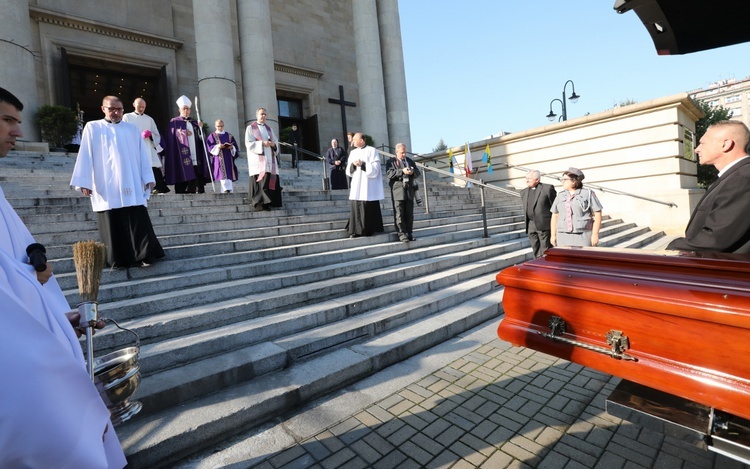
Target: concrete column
[
  {"x": 394, "y": 75},
  {"x": 370, "y": 70},
  {"x": 217, "y": 89},
  {"x": 18, "y": 73},
  {"x": 256, "y": 56}
]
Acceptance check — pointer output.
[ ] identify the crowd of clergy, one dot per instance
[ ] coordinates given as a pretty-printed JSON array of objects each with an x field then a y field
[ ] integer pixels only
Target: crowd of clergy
[{"x": 123, "y": 160}]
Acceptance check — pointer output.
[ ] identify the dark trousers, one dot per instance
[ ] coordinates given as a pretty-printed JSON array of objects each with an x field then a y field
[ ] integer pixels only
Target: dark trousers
[
  {"x": 539, "y": 239},
  {"x": 193, "y": 186},
  {"x": 161, "y": 186},
  {"x": 404, "y": 217}
]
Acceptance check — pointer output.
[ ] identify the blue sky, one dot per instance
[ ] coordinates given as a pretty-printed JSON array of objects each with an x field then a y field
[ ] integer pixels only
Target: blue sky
[{"x": 478, "y": 67}]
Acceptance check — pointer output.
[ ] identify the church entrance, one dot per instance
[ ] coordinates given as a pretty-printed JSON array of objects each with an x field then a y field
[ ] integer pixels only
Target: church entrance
[
  {"x": 89, "y": 80},
  {"x": 290, "y": 114}
]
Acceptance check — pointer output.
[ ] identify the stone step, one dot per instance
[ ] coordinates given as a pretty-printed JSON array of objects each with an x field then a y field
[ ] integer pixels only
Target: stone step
[
  {"x": 261, "y": 257},
  {"x": 163, "y": 437},
  {"x": 61, "y": 251},
  {"x": 298, "y": 334},
  {"x": 313, "y": 279},
  {"x": 206, "y": 294},
  {"x": 639, "y": 237}
]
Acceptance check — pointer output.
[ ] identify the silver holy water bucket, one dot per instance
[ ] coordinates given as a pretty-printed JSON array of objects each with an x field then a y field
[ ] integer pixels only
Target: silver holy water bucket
[{"x": 116, "y": 377}]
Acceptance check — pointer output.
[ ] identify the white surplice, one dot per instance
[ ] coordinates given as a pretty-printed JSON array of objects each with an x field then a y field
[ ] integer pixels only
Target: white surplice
[
  {"x": 365, "y": 185},
  {"x": 51, "y": 415},
  {"x": 114, "y": 162},
  {"x": 145, "y": 122}
]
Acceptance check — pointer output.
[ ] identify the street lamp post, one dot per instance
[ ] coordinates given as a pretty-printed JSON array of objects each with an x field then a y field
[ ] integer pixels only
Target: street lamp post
[{"x": 573, "y": 99}]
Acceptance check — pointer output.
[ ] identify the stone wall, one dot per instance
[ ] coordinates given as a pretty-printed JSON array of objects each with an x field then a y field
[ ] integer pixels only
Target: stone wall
[
  {"x": 314, "y": 53},
  {"x": 638, "y": 149}
]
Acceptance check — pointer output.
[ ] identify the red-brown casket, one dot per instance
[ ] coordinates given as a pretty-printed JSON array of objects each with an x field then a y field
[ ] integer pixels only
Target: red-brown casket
[{"x": 677, "y": 322}]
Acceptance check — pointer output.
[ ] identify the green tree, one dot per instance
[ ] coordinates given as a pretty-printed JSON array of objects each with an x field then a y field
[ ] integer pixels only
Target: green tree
[
  {"x": 368, "y": 140},
  {"x": 57, "y": 124},
  {"x": 625, "y": 102},
  {"x": 441, "y": 146},
  {"x": 707, "y": 173}
]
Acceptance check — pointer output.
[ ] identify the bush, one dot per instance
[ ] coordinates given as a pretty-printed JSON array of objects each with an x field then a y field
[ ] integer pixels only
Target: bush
[
  {"x": 57, "y": 124},
  {"x": 707, "y": 173}
]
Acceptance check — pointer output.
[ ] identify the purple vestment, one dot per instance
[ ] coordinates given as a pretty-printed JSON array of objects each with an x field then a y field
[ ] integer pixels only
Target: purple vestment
[
  {"x": 178, "y": 167},
  {"x": 222, "y": 165}
]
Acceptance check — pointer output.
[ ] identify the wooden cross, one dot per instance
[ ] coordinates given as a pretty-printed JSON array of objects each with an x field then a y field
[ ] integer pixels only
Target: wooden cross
[{"x": 343, "y": 103}]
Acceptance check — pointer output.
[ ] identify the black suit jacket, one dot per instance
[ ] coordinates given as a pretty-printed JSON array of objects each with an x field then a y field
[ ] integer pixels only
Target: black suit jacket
[
  {"x": 544, "y": 195},
  {"x": 395, "y": 175},
  {"x": 721, "y": 221}
]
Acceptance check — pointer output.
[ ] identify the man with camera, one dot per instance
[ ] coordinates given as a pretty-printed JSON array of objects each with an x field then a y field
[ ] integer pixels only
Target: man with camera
[{"x": 402, "y": 176}]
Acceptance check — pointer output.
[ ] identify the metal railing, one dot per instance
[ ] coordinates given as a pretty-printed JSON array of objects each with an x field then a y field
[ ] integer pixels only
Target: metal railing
[
  {"x": 559, "y": 179},
  {"x": 295, "y": 155},
  {"x": 477, "y": 182}
]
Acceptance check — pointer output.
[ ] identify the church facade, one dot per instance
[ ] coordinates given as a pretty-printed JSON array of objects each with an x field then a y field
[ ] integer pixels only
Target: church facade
[{"x": 326, "y": 66}]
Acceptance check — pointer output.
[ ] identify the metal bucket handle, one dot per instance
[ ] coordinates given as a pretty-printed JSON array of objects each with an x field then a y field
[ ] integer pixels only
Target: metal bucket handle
[{"x": 137, "y": 338}]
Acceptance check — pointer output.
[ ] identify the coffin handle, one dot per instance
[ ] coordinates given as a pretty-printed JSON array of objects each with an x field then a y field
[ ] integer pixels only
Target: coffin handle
[{"x": 616, "y": 339}]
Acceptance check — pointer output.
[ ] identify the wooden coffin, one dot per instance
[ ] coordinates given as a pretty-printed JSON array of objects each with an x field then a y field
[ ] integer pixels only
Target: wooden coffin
[{"x": 675, "y": 322}]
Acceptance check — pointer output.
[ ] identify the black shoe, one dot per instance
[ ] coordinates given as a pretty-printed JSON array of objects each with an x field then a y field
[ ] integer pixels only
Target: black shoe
[
  {"x": 354, "y": 236},
  {"x": 412, "y": 238}
]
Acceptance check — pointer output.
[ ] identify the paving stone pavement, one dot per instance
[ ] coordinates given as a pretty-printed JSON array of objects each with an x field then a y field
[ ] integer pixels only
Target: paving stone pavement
[{"x": 473, "y": 402}]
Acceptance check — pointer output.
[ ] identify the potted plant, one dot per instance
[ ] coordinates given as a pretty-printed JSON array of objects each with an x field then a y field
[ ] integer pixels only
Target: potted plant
[{"x": 57, "y": 125}]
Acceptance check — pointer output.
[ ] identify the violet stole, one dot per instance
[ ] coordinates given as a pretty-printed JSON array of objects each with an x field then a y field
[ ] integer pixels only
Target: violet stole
[{"x": 262, "y": 157}]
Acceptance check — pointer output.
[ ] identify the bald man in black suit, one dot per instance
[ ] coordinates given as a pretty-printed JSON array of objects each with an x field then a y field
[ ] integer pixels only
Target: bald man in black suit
[{"x": 721, "y": 221}]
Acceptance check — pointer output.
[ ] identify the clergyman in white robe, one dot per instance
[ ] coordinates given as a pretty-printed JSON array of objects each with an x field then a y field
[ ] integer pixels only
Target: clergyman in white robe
[
  {"x": 365, "y": 191},
  {"x": 152, "y": 139},
  {"x": 51, "y": 414},
  {"x": 115, "y": 164}
]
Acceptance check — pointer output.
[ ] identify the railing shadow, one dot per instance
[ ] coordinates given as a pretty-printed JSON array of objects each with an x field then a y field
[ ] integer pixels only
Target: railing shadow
[{"x": 515, "y": 408}]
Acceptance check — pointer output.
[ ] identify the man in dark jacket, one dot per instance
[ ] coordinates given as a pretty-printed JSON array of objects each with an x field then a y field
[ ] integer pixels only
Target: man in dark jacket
[
  {"x": 720, "y": 222},
  {"x": 402, "y": 176},
  {"x": 537, "y": 199}
]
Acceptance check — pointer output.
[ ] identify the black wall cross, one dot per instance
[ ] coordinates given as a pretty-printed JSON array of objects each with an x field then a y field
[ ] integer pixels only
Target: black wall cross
[{"x": 343, "y": 103}]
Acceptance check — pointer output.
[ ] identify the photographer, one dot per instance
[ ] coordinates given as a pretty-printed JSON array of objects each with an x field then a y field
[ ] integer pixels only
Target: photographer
[{"x": 402, "y": 176}]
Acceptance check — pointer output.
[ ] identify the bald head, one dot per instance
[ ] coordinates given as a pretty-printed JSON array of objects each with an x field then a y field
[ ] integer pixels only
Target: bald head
[
  {"x": 723, "y": 143},
  {"x": 358, "y": 140},
  {"x": 139, "y": 105}
]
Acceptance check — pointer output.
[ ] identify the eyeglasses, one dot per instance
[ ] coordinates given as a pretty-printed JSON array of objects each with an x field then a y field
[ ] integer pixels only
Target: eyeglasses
[{"x": 113, "y": 109}]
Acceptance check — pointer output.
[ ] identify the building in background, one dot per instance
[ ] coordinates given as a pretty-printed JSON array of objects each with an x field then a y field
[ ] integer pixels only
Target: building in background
[
  {"x": 299, "y": 60},
  {"x": 731, "y": 94}
]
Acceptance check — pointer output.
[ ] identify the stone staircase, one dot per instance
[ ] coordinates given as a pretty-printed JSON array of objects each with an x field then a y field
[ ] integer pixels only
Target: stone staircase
[{"x": 252, "y": 314}]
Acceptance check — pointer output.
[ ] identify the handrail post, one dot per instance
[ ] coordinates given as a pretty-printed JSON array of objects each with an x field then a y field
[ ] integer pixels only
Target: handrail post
[
  {"x": 295, "y": 156},
  {"x": 484, "y": 209},
  {"x": 326, "y": 182},
  {"x": 424, "y": 190}
]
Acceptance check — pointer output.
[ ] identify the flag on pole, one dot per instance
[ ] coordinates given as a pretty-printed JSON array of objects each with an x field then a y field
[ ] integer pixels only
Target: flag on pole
[
  {"x": 487, "y": 158},
  {"x": 468, "y": 166},
  {"x": 450, "y": 158}
]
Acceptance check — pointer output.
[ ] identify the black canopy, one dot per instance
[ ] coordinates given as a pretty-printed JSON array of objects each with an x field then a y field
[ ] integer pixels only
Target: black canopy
[{"x": 684, "y": 26}]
